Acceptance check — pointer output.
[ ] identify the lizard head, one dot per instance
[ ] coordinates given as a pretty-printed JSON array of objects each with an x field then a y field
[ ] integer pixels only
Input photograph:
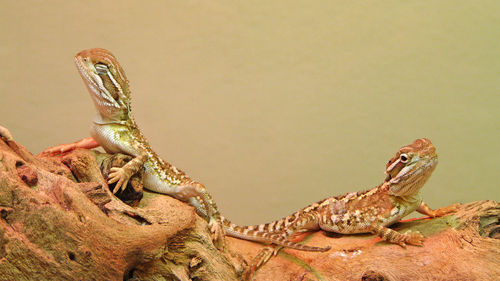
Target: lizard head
[
  {"x": 410, "y": 168},
  {"x": 106, "y": 82}
]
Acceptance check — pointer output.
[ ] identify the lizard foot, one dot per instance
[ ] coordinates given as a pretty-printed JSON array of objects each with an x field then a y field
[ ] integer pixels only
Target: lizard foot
[
  {"x": 412, "y": 238},
  {"x": 217, "y": 233},
  {"x": 445, "y": 210},
  {"x": 120, "y": 176}
]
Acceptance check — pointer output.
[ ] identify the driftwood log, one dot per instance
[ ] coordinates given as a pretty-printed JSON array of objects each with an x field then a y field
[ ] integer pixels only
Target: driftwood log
[{"x": 59, "y": 221}]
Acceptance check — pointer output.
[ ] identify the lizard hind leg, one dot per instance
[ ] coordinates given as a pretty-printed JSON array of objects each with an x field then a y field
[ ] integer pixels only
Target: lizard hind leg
[
  {"x": 217, "y": 233},
  {"x": 206, "y": 207},
  {"x": 262, "y": 258},
  {"x": 270, "y": 251},
  {"x": 411, "y": 237}
]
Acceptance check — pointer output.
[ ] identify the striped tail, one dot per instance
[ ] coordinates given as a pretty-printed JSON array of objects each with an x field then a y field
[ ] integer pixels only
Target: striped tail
[{"x": 253, "y": 233}]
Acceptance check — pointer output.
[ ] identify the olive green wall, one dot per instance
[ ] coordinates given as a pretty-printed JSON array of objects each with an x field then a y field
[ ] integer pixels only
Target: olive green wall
[{"x": 272, "y": 105}]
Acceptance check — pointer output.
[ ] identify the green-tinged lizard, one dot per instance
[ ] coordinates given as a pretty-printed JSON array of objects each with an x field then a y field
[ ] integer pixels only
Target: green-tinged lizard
[{"x": 115, "y": 130}]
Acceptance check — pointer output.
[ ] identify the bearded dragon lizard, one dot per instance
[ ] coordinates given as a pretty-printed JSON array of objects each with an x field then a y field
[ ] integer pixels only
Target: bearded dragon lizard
[
  {"x": 371, "y": 211},
  {"x": 115, "y": 130}
]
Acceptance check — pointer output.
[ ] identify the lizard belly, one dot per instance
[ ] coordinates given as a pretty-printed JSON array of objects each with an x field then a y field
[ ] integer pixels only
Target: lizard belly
[
  {"x": 155, "y": 183},
  {"x": 157, "y": 180}
]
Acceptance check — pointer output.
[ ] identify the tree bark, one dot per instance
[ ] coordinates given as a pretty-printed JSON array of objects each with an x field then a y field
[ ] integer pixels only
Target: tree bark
[{"x": 59, "y": 221}]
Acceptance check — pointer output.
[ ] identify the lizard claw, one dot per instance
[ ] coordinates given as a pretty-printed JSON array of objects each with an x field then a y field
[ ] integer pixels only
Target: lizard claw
[
  {"x": 217, "y": 233},
  {"x": 120, "y": 176}
]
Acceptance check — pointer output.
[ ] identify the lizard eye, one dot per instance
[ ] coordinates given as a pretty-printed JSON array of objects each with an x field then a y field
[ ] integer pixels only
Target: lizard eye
[
  {"x": 101, "y": 68},
  {"x": 404, "y": 158}
]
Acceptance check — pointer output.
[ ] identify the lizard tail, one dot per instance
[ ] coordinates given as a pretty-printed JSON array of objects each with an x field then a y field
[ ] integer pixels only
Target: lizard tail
[{"x": 252, "y": 233}]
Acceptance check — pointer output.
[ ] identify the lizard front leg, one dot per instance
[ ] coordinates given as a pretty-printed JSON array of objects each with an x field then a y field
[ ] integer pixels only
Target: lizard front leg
[
  {"x": 87, "y": 143},
  {"x": 392, "y": 236},
  {"x": 426, "y": 210},
  {"x": 411, "y": 238},
  {"x": 122, "y": 175}
]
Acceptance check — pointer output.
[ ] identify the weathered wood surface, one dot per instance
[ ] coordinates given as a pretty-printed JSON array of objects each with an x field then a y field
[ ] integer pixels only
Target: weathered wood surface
[
  {"x": 55, "y": 228},
  {"x": 462, "y": 246},
  {"x": 59, "y": 221}
]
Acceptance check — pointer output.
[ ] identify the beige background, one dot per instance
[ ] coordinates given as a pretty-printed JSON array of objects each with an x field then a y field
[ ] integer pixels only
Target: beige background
[{"x": 272, "y": 106}]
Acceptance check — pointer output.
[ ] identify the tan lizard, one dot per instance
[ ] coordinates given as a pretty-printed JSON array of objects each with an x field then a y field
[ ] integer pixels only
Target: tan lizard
[{"x": 359, "y": 212}]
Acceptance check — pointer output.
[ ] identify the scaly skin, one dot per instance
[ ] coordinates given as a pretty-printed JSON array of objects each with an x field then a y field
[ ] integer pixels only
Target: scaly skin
[
  {"x": 358, "y": 212},
  {"x": 115, "y": 130}
]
